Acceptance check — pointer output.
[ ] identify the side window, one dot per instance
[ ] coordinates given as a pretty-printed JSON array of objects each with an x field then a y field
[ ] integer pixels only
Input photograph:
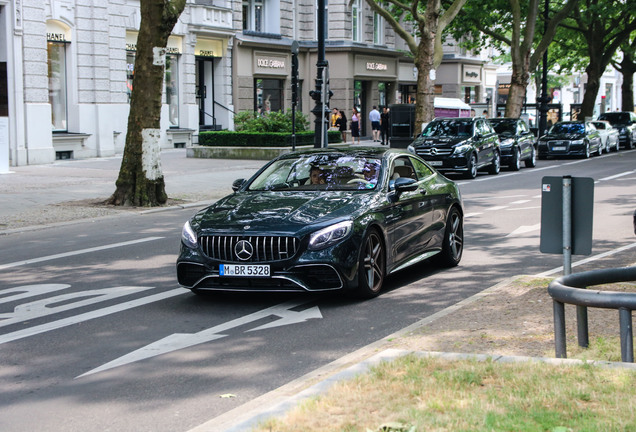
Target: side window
[
  {"x": 523, "y": 127},
  {"x": 421, "y": 169},
  {"x": 402, "y": 167}
]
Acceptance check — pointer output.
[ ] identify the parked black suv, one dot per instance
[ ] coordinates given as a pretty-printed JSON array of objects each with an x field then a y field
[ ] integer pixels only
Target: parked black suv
[
  {"x": 459, "y": 145},
  {"x": 625, "y": 122},
  {"x": 516, "y": 142}
]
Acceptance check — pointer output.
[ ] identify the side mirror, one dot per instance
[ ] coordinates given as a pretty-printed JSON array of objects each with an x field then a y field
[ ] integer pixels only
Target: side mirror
[
  {"x": 404, "y": 184},
  {"x": 237, "y": 184}
]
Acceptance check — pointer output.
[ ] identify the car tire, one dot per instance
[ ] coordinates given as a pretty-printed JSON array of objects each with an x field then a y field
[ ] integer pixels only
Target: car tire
[
  {"x": 471, "y": 167},
  {"x": 600, "y": 149},
  {"x": 453, "y": 243},
  {"x": 372, "y": 266},
  {"x": 495, "y": 165},
  {"x": 515, "y": 163},
  {"x": 587, "y": 153},
  {"x": 532, "y": 161},
  {"x": 630, "y": 143}
]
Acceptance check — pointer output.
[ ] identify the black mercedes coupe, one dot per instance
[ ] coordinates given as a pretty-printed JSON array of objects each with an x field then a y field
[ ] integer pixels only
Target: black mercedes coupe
[{"x": 324, "y": 220}]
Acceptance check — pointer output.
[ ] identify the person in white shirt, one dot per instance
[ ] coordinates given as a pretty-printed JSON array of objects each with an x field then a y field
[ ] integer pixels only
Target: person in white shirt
[{"x": 374, "y": 118}]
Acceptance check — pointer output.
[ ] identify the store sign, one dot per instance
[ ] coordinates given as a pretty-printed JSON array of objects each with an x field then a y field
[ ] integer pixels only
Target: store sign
[
  {"x": 56, "y": 37},
  {"x": 270, "y": 63},
  {"x": 372, "y": 66},
  {"x": 173, "y": 47},
  {"x": 57, "y": 31},
  {"x": 208, "y": 48},
  {"x": 472, "y": 74}
]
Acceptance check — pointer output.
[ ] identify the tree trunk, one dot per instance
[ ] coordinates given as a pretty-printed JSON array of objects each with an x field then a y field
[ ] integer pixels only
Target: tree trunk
[
  {"x": 517, "y": 92},
  {"x": 140, "y": 181},
  {"x": 425, "y": 63},
  {"x": 594, "y": 72},
  {"x": 628, "y": 69}
]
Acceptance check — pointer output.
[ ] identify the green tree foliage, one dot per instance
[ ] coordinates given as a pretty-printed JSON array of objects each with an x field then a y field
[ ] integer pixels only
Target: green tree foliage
[
  {"x": 421, "y": 24},
  {"x": 600, "y": 27},
  {"x": 627, "y": 66},
  {"x": 513, "y": 26}
]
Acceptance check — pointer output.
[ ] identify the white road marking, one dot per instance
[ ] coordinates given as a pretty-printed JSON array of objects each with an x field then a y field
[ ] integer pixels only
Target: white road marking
[
  {"x": 77, "y": 252},
  {"x": 21, "y": 334},
  {"x": 495, "y": 208},
  {"x": 468, "y": 215},
  {"x": 179, "y": 341},
  {"x": 520, "y": 201},
  {"x": 52, "y": 305},
  {"x": 590, "y": 259},
  {"x": 617, "y": 176},
  {"x": 525, "y": 229}
]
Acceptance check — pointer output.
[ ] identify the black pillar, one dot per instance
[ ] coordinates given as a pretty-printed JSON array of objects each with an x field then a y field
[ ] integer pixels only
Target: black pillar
[{"x": 316, "y": 94}]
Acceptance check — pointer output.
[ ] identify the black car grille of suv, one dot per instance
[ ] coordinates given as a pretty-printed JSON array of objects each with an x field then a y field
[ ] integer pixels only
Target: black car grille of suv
[
  {"x": 434, "y": 151},
  {"x": 244, "y": 249}
]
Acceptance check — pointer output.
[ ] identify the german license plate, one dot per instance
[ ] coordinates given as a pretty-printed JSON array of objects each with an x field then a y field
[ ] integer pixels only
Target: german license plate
[
  {"x": 244, "y": 270},
  {"x": 558, "y": 148},
  {"x": 435, "y": 163}
]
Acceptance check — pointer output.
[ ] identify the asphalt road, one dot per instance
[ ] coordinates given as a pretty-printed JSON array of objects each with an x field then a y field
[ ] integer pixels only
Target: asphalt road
[{"x": 95, "y": 334}]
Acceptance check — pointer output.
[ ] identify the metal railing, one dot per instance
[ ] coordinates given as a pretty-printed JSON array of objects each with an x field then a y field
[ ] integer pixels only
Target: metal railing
[{"x": 571, "y": 289}]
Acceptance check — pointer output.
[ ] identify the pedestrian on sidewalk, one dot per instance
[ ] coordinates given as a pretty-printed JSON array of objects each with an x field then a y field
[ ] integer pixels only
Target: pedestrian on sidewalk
[
  {"x": 374, "y": 118},
  {"x": 355, "y": 126},
  {"x": 341, "y": 124},
  {"x": 385, "y": 123}
]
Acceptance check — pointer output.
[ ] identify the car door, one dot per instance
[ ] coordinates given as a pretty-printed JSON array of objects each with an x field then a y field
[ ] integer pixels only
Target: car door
[
  {"x": 410, "y": 215},
  {"x": 488, "y": 141},
  {"x": 525, "y": 139}
]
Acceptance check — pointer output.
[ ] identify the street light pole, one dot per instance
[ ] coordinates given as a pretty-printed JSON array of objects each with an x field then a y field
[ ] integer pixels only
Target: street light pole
[{"x": 316, "y": 94}]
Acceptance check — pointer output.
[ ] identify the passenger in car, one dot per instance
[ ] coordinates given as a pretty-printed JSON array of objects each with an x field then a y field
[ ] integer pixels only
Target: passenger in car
[{"x": 316, "y": 176}]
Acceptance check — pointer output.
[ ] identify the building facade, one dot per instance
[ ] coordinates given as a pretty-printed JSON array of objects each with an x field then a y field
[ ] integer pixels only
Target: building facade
[{"x": 67, "y": 70}]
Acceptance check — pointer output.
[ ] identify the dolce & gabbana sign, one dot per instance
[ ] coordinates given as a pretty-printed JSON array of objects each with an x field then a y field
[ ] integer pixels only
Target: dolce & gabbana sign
[
  {"x": 375, "y": 67},
  {"x": 270, "y": 63}
]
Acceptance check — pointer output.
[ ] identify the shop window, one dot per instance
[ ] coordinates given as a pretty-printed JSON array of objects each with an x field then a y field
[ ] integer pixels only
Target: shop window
[
  {"x": 470, "y": 95},
  {"x": 356, "y": 21},
  {"x": 378, "y": 29},
  {"x": 171, "y": 81},
  {"x": 382, "y": 93},
  {"x": 130, "y": 72},
  {"x": 57, "y": 85},
  {"x": 268, "y": 95}
]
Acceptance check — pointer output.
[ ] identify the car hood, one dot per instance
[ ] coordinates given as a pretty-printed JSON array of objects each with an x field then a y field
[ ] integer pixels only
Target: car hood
[
  {"x": 439, "y": 141},
  {"x": 565, "y": 136},
  {"x": 280, "y": 211}
]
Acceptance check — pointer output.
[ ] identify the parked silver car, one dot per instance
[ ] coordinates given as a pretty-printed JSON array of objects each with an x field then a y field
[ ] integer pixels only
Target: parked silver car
[{"x": 609, "y": 135}]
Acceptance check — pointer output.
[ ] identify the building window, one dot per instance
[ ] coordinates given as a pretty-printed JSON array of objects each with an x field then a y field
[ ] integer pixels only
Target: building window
[
  {"x": 57, "y": 85},
  {"x": 378, "y": 29},
  {"x": 268, "y": 95},
  {"x": 470, "y": 95},
  {"x": 253, "y": 13},
  {"x": 171, "y": 80},
  {"x": 356, "y": 21}
]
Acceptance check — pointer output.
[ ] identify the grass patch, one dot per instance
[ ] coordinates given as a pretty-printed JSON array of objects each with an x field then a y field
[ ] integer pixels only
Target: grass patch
[{"x": 429, "y": 394}]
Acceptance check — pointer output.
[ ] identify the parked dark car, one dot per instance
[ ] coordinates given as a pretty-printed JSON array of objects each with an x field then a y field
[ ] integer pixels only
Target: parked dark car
[
  {"x": 570, "y": 138},
  {"x": 324, "y": 220},
  {"x": 516, "y": 142},
  {"x": 462, "y": 145},
  {"x": 625, "y": 122}
]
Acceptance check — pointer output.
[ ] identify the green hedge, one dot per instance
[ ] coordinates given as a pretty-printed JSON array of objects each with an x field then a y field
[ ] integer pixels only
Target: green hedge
[{"x": 260, "y": 139}]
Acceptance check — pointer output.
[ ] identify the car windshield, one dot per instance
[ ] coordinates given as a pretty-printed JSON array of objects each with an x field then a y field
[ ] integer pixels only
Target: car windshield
[
  {"x": 615, "y": 118},
  {"x": 320, "y": 172},
  {"x": 599, "y": 125},
  {"x": 504, "y": 127},
  {"x": 459, "y": 127},
  {"x": 568, "y": 128}
]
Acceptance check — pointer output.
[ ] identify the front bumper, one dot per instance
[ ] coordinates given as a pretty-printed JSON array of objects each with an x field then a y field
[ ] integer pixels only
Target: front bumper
[{"x": 561, "y": 148}]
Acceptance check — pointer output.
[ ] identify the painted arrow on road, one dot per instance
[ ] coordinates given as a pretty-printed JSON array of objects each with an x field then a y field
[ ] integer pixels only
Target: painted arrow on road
[{"x": 179, "y": 341}]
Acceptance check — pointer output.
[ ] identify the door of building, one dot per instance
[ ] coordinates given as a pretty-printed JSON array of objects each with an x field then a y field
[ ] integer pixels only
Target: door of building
[{"x": 204, "y": 81}]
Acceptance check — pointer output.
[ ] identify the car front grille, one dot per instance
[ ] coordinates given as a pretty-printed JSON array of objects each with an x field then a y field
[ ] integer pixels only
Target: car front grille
[
  {"x": 434, "y": 151},
  {"x": 245, "y": 249}
]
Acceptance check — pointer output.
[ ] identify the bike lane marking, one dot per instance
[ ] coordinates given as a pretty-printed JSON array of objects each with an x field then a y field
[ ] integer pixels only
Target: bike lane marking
[{"x": 77, "y": 252}]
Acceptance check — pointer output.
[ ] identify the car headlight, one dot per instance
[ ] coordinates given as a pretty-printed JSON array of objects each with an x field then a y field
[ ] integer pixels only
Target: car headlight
[
  {"x": 577, "y": 142},
  {"x": 508, "y": 142},
  {"x": 188, "y": 236},
  {"x": 461, "y": 149},
  {"x": 330, "y": 235},
  {"x": 410, "y": 148}
]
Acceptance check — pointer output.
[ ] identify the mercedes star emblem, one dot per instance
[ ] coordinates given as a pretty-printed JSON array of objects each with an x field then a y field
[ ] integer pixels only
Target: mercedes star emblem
[
  {"x": 244, "y": 250},
  {"x": 433, "y": 151}
]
